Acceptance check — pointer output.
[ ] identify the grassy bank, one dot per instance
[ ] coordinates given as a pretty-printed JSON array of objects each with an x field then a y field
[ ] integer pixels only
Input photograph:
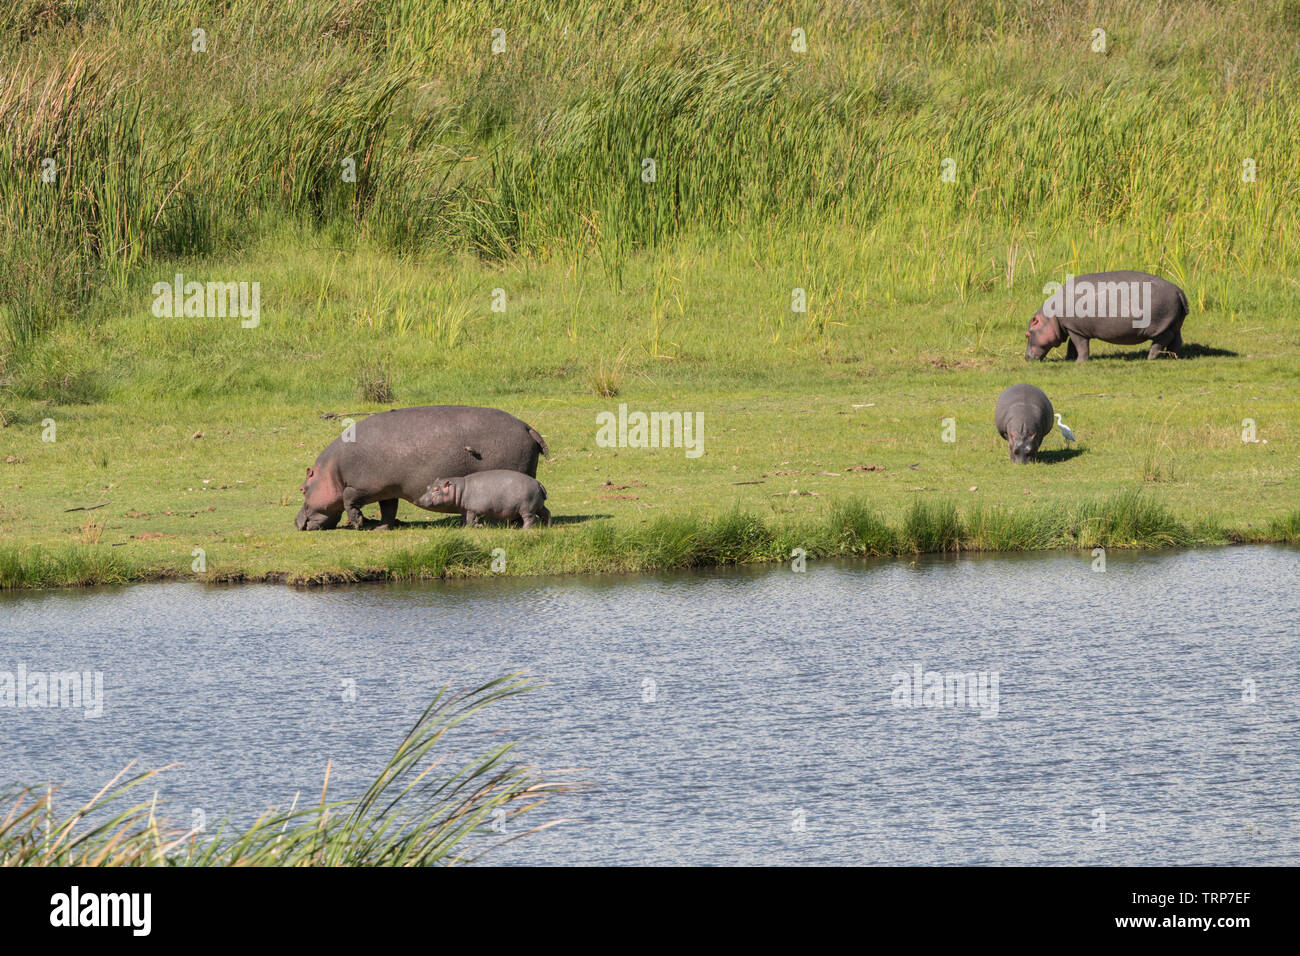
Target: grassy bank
[
  {"x": 850, "y": 528},
  {"x": 407, "y": 817},
  {"x": 515, "y": 180}
]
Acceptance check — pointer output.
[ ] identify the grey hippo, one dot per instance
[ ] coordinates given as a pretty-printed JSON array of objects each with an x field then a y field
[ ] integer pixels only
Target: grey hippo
[
  {"x": 1023, "y": 417},
  {"x": 498, "y": 495},
  {"x": 1122, "y": 307},
  {"x": 390, "y": 456}
]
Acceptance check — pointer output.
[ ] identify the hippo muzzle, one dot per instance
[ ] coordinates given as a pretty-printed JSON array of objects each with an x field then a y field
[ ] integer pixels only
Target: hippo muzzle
[
  {"x": 1022, "y": 451},
  {"x": 1043, "y": 335},
  {"x": 309, "y": 520}
]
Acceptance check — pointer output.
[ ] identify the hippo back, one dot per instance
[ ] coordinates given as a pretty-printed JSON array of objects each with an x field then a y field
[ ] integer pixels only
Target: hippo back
[
  {"x": 1023, "y": 405},
  {"x": 1115, "y": 300},
  {"x": 405, "y": 449}
]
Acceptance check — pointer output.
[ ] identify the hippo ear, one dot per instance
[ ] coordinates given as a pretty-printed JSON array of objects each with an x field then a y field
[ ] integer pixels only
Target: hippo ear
[
  {"x": 311, "y": 472},
  {"x": 1035, "y": 322}
]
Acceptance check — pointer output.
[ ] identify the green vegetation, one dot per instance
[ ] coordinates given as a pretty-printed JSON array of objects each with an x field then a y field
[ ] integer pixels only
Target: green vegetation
[
  {"x": 406, "y": 817},
  {"x": 523, "y": 171},
  {"x": 849, "y": 528}
]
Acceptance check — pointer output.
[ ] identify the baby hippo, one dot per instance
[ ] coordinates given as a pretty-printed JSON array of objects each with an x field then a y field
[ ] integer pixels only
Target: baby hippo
[
  {"x": 1023, "y": 417},
  {"x": 499, "y": 495}
]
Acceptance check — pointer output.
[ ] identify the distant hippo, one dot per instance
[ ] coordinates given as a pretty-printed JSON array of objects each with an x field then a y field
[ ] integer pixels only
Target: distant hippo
[
  {"x": 1023, "y": 417},
  {"x": 391, "y": 455},
  {"x": 499, "y": 495},
  {"x": 1124, "y": 308}
]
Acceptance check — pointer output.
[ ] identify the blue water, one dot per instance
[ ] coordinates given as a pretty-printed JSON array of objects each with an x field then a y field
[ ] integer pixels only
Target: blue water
[{"x": 1147, "y": 714}]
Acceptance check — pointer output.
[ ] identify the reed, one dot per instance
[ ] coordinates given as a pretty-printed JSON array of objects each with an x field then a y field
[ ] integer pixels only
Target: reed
[{"x": 414, "y": 813}]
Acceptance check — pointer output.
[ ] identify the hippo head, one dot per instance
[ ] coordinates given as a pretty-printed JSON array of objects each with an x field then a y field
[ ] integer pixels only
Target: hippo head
[
  {"x": 1044, "y": 334},
  {"x": 322, "y": 505},
  {"x": 1023, "y": 447},
  {"x": 438, "y": 494}
]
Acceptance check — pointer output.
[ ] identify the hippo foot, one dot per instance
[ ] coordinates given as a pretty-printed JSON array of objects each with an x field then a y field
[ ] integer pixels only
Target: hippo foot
[{"x": 375, "y": 524}]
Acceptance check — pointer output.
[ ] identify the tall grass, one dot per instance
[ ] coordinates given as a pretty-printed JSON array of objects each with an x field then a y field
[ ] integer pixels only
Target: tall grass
[
  {"x": 412, "y": 814},
  {"x": 66, "y": 565},
  {"x": 1285, "y": 528},
  {"x": 852, "y": 527},
  {"x": 541, "y": 149}
]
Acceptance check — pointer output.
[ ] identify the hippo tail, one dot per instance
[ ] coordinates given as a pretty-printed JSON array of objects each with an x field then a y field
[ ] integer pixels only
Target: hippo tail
[
  {"x": 543, "y": 490},
  {"x": 1182, "y": 297},
  {"x": 541, "y": 442}
]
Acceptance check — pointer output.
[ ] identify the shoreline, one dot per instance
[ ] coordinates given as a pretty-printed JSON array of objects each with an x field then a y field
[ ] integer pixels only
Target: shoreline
[{"x": 1127, "y": 521}]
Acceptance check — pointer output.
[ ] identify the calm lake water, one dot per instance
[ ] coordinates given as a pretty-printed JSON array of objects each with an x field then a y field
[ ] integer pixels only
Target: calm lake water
[{"x": 1147, "y": 714}]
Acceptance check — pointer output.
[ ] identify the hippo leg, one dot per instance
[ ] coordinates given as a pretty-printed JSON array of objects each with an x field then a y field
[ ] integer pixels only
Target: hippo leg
[
  {"x": 545, "y": 515},
  {"x": 471, "y": 519},
  {"x": 388, "y": 514},
  {"x": 1168, "y": 343},
  {"x": 1071, "y": 353},
  {"x": 352, "y": 505},
  {"x": 1078, "y": 349},
  {"x": 528, "y": 520}
]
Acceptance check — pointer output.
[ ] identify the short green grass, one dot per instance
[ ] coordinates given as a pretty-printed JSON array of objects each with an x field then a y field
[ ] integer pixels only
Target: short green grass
[
  {"x": 203, "y": 430},
  {"x": 521, "y": 172}
]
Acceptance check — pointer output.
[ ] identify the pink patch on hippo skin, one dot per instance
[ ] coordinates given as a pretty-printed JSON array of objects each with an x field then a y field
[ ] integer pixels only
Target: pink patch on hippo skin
[{"x": 322, "y": 491}]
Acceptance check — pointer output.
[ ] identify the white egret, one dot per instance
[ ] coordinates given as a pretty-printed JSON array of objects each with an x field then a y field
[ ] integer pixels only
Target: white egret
[{"x": 1065, "y": 429}]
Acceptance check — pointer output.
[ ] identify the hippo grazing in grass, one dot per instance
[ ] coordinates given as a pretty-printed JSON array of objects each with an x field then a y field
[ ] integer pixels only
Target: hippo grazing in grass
[
  {"x": 391, "y": 455},
  {"x": 1120, "y": 307},
  {"x": 499, "y": 495},
  {"x": 1023, "y": 416}
]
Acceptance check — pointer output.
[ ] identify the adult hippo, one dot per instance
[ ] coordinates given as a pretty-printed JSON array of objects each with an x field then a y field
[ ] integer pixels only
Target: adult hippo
[
  {"x": 1023, "y": 416},
  {"x": 391, "y": 455},
  {"x": 1123, "y": 307}
]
